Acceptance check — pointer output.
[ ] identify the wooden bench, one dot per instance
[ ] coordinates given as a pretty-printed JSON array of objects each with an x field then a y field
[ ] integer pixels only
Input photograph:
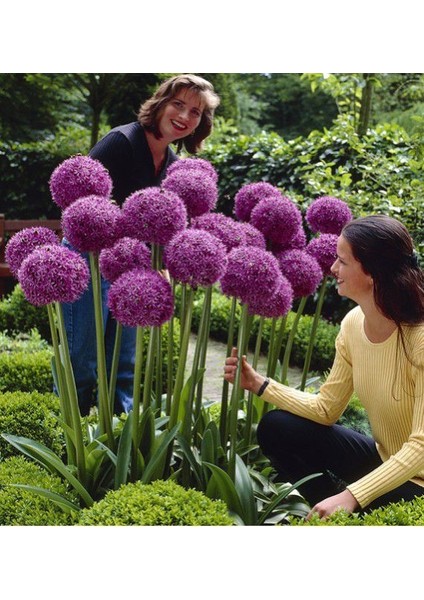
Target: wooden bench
[{"x": 9, "y": 227}]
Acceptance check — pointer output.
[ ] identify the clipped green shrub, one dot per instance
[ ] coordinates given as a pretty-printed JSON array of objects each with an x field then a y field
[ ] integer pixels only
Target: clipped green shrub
[
  {"x": 158, "y": 503},
  {"x": 32, "y": 415},
  {"x": 17, "y": 315},
  {"x": 404, "y": 513},
  {"x": 22, "y": 507},
  {"x": 23, "y": 342},
  {"x": 26, "y": 372}
]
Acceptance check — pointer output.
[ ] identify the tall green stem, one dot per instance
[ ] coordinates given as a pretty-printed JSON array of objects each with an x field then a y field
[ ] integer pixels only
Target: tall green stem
[
  {"x": 255, "y": 360},
  {"x": 315, "y": 322},
  {"x": 170, "y": 363},
  {"x": 223, "y": 421},
  {"x": 150, "y": 364},
  {"x": 277, "y": 344},
  {"x": 289, "y": 345},
  {"x": 115, "y": 362},
  {"x": 105, "y": 409},
  {"x": 206, "y": 315},
  {"x": 138, "y": 369}
]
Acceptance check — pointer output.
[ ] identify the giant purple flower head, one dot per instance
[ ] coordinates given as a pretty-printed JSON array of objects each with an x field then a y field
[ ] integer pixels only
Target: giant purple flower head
[
  {"x": 224, "y": 228},
  {"x": 253, "y": 236},
  {"x": 77, "y": 177},
  {"x": 274, "y": 306},
  {"x": 278, "y": 219},
  {"x": 24, "y": 242},
  {"x": 189, "y": 164},
  {"x": 195, "y": 257},
  {"x": 126, "y": 254},
  {"x": 302, "y": 270},
  {"x": 198, "y": 191},
  {"x": 250, "y": 195},
  {"x": 90, "y": 224},
  {"x": 328, "y": 215},
  {"x": 324, "y": 249},
  {"x": 251, "y": 272},
  {"x": 141, "y": 298},
  {"x": 153, "y": 215},
  {"x": 299, "y": 242},
  {"x": 53, "y": 273}
]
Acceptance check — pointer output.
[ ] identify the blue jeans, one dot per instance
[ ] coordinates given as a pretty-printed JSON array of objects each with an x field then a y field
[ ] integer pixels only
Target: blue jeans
[{"x": 81, "y": 333}]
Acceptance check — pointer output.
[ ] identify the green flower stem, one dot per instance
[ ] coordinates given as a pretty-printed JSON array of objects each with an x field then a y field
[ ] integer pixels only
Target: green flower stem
[
  {"x": 115, "y": 362},
  {"x": 105, "y": 409},
  {"x": 206, "y": 315},
  {"x": 272, "y": 348},
  {"x": 138, "y": 369},
  {"x": 159, "y": 361},
  {"x": 315, "y": 322},
  {"x": 62, "y": 388},
  {"x": 179, "y": 378},
  {"x": 72, "y": 397},
  {"x": 236, "y": 392},
  {"x": 289, "y": 345},
  {"x": 255, "y": 360},
  {"x": 170, "y": 355},
  {"x": 277, "y": 344},
  {"x": 150, "y": 363},
  {"x": 223, "y": 421}
]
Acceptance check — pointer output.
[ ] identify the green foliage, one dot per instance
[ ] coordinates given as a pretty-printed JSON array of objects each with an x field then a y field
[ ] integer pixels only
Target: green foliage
[
  {"x": 17, "y": 315},
  {"x": 406, "y": 513},
  {"x": 21, "y": 507},
  {"x": 23, "y": 342},
  {"x": 159, "y": 503},
  {"x": 355, "y": 417},
  {"x": 26, "y": 372},
  {"x": 31, "y": 415}
]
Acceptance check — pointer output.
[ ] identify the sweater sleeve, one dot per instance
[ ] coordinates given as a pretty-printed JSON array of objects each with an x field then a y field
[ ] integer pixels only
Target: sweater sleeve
[{"x": 328, "y": 404}]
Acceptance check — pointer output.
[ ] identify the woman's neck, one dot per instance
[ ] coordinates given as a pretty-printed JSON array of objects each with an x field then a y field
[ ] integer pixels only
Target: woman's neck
[{"x": 378, "y": 328}]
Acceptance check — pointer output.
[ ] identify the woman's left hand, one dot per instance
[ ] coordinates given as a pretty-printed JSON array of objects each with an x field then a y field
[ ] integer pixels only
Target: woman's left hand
[{"x": 329, "y": 505}]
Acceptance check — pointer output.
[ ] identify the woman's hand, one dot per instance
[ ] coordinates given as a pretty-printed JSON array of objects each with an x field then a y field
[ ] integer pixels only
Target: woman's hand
[
  {"x": 250, "y": 379},
  {"x": 328, "y": 506}
]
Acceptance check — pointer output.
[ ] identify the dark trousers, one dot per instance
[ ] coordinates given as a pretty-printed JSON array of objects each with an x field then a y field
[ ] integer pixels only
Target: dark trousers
[{"x": 298, "y": 447}]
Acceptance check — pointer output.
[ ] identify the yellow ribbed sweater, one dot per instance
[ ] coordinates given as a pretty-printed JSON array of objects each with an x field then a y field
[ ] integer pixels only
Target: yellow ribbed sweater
[{"x": 390, "y": 388}]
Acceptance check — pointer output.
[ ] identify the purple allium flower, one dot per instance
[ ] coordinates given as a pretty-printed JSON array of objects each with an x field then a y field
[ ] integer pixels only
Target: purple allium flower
[
  {"x": 189, "y": 164},
  {"x": 198, "y": 191},
  {"x": 126, "y": 254},
  {"x": 224, "y": 228},
  {"x": 328, "y": 215},
  {"x": 302, "y": 270},
  {"x": 277, "y": 305},
  {"x": 251, "y": 272},
  {"x": 24, "y": 242},
  {"x": 195, "y": 257},
  {"x": 298, "y": 242},
  {"x": 141, "y": 298},
  {"x": 250, "y": 195},
  {"x": 324, "y": 249},
  {"x": 53, "y": 273},
  {"x": 90, "y": 224},
  {"x": 277, "y": 218},
  {"x": 153, "y": 215},
  {"x": 78, "y": 177},
  {"x": 253, "y": 236}
]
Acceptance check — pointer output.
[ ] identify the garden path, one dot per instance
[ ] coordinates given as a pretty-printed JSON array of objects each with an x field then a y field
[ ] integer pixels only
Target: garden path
[{"x": 212, "y": 385}]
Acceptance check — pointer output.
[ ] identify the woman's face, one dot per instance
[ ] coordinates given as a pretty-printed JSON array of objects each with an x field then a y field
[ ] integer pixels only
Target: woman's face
[
  {"x": 181, "y": 115},
  {"x": 352, "y": 281}
]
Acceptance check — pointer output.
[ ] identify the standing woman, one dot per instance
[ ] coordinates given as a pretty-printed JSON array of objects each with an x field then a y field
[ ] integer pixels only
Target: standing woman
[
  {"x": 380, "y": 356},
  {"x": 137, "y": 156}
]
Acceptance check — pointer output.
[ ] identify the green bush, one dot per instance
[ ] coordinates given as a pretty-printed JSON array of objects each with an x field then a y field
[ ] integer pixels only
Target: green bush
[
  {"x": 22, "y": 507},
  {"x": 32, "y": 415},
  {"x": 20, "y": 371},
  {"x": 23, "y": 342},
  {"x": 405, "y": 513},
  {"x": 17, "y": 315},
  {"x": 159, "y": 503}
]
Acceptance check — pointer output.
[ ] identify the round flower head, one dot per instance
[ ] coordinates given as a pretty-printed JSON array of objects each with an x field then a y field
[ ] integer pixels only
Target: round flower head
[
  {"x": 277, "y": 305},
  {"x": 90, "y": 224},
  {"x": 224, "y": 228},
  {"x": 24, "y": 242},
  {"x": 324, "y": 249},
  {"x": 53, "y": 273},
  {"x": 302, "y": 270},
  {"x": 328, "y": 215},
  {"x": 198, "y": 191},
  {"x": 298, "y": 242},
  {"x": 278, "y": 219},
  {"x": 126, "y": 254},
  {"x": 250, "y": 195},
  {"x": 251, "y": 272},
  {"x": 153, "y": 215},
  {"x": 189, "y": 164},
  {"x": 77, "y": 177},
  {"x": 141, "y": 298},
  {"x": 253, "y": 236},
  {"x": 195, "y": 257}
]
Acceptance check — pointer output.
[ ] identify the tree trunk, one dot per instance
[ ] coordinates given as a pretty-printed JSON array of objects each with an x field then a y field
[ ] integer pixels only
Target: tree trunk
[{"x": 365, "y": 113}]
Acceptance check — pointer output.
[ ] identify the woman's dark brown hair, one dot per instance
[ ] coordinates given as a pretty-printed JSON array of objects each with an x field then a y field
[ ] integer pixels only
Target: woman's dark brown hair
[{"x": 151, "y": 110}]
